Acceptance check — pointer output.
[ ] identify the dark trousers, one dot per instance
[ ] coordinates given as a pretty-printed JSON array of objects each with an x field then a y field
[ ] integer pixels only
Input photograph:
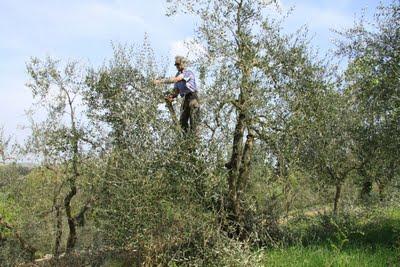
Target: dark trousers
[{"x": 190, "y": 113}]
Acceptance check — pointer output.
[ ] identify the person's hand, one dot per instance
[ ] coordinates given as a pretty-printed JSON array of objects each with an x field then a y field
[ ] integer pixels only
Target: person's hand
[
  {"x": 169, "y": 98},
  {"x": 157, "y": 82}
]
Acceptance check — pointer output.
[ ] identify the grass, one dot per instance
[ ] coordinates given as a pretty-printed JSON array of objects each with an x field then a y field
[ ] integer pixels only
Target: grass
[
  {"x": 370, "y": 238},
  {"x": 324, "y": 256}
]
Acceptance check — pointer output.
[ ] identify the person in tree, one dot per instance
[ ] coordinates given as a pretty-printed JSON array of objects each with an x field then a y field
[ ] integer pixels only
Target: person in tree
[{"x": 185, "y": 86}]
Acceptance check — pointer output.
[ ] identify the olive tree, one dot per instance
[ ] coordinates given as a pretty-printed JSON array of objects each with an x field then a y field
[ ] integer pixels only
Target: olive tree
[
  {"x": 58, "y": 142},
  {"x": 372, "y": 48},
  {"x": 258, "y": 80},
  {"x": 155, "y": 195},
  {"x": 233, "y": 34}
]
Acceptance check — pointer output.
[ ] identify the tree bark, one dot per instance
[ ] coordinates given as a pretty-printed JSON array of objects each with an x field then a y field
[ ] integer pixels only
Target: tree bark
[
  {"x": 244, "y": 172},
  {"x": 337, "y": 198},
  {"x": 72, "y": 236},
  {"x": 57, "y": 243},
  {"x": 235, "y": 164}
]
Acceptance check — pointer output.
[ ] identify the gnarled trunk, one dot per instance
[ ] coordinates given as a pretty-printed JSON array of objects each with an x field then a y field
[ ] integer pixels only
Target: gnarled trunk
[
  {"x": 337, "y": 198},
  {"x": 235, "y": 165},
  {"x": 57, "y": 243},
  {"x": 72, "y": 236}
]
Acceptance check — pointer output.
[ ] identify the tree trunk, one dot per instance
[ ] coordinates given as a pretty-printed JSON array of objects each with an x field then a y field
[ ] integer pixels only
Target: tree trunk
[
  {"x": 71, "y": 220},
  {"x": 72, "y": 236},
  {"x": 57, "y": 244},
  {"x": 366, "y": 188},
  {"x": 366, "y": 184},
  {"x": 244, "y": 172},
  {"x": 337, "y": 197},
  {"x": 381, "y": 190},
  {"x": 234, "y": 165}
]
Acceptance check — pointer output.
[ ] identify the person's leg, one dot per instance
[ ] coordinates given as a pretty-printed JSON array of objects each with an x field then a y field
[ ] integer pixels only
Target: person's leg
[
  {"x": 185, "y": 115},
  {"x": 194, "y": 114}
]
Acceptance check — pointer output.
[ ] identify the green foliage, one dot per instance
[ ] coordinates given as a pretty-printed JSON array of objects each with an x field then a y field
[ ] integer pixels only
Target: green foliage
[
  {"x": 371, "y": 81},
  {"x": 119, "y": 184}
]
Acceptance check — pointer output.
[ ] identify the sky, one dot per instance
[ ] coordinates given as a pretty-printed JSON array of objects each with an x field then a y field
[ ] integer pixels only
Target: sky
[{"x": 84, "y": 30}]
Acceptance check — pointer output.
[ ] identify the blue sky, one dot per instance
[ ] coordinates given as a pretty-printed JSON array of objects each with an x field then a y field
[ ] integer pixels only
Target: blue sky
[{"x": 84, "y": 30}]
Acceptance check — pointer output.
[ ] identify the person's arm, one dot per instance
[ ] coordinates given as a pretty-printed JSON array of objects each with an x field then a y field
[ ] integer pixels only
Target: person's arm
[{"x": 169, "y": 80}]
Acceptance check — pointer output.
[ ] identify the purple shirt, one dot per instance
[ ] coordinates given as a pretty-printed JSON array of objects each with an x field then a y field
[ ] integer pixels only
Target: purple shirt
[{"x": 188, "y": 84}]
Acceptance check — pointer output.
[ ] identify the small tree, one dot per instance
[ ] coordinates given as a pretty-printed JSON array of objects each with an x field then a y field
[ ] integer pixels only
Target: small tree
[
  {"x": 58, "y": 140},
  {"x": 328, "y": 147},
  {"x": 372, "y": 82}
]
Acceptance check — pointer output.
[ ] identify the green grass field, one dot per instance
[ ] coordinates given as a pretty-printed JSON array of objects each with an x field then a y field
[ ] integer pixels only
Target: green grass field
[
  {"x": 324, "y": 256},
  {"x": 368, "y": 239}
]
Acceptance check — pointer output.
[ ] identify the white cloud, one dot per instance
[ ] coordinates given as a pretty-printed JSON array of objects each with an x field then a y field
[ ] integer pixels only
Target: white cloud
[{"x": 188, "y": 48}]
